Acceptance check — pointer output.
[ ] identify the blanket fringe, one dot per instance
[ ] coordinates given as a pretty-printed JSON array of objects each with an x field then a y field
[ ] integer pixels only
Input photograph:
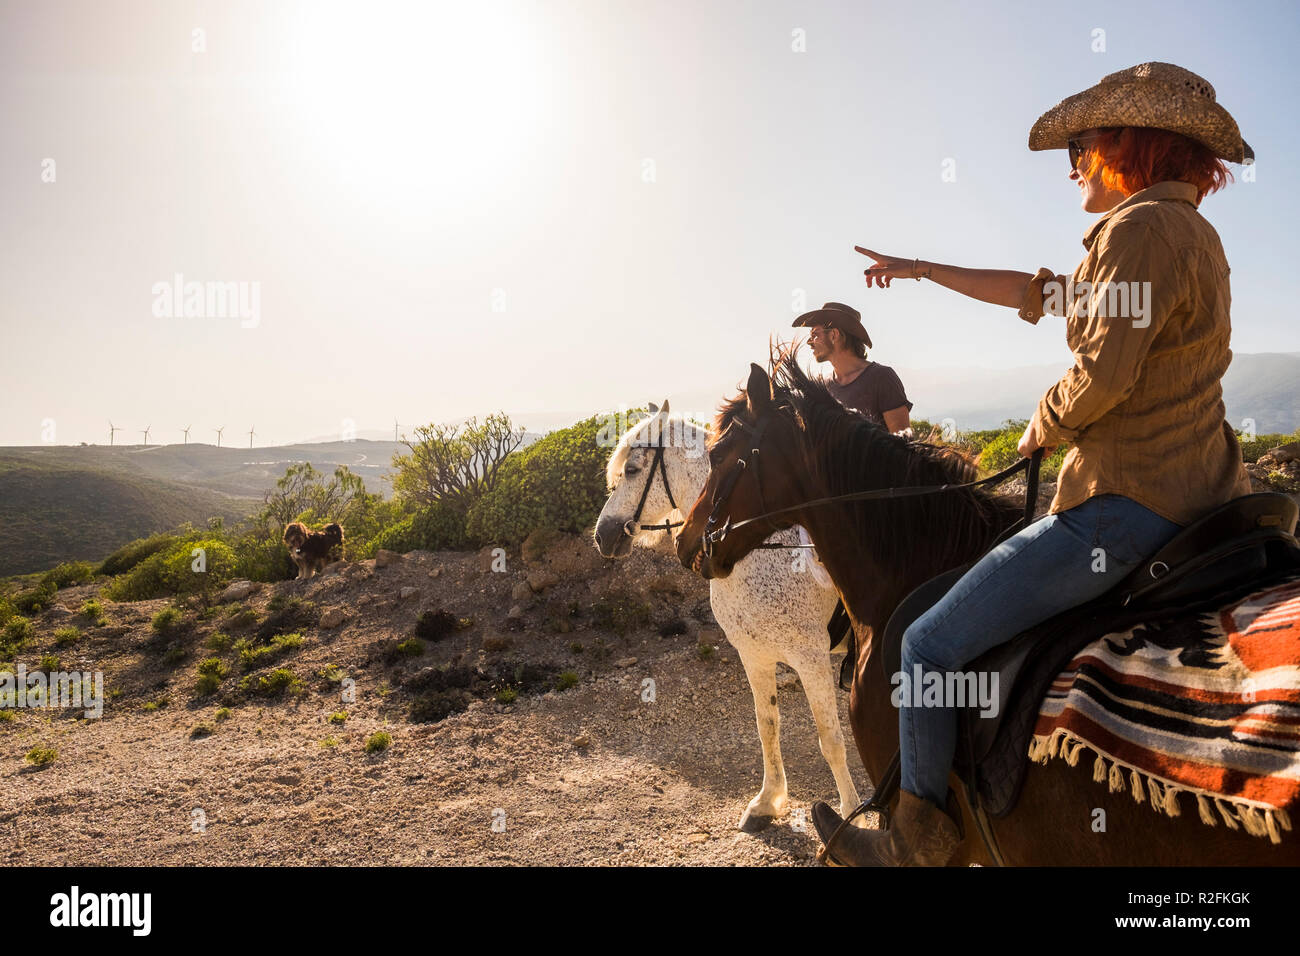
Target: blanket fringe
[{"x": 1256, "y": 819}]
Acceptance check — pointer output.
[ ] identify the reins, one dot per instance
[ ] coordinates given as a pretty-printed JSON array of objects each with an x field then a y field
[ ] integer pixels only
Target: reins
[{"x": 713, "y": 534}]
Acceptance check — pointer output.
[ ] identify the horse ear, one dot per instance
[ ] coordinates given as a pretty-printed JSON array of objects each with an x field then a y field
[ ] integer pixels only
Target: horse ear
[
  {"x": 654, "y": 409},
  {"x": 664, "y": 407},
  {"x": 758, "y": 391}
]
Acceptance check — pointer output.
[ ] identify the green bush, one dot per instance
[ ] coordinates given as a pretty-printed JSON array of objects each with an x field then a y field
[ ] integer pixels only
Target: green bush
[
  {"x": 14, "y": 637},
  {"x": 171, "y": 571},
  {"x": 167, "y": 621},
  {"x": 92, "y": 611},
  {"x": 252, "y": 657},
  {"x": 36, "y": 599},
  {"x": 129, "y": 555},
  {"x": 378, "y": 742},
  {"x": 557, "y": 482},
  {"x": 70, "y": 573},
  {"x": 1001, "y": 452},
  {"x": 67, "y": 635},
  {"x": 1252, "y": 449},
  {"x": 438, "y": 527}
]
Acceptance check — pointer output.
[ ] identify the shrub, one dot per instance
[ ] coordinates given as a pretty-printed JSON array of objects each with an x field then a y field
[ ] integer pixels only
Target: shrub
[
  {"x": 36, "y": 599},
  {"x": 566, "y": 680},
  {"x": 129, "y": 555},
  {"x": 211, "y": 671},
  {"x": 67, "y": 635},
  {"x": 70, "y": 573},
  {"x": 201, "y": 730},
  {"x": 294, "y": 615},
  {"x": 219, "y": 641},
  {"x": 41, "y": 756},
  {"x": 252, "y": 657},
  {"x": 92, "y": 611},
  {"x": 1001, "y": 452},
  {"x": 223, "y": 713},
  {"x": 507, "y": 695},
  {"x": 411, "y": 647},
  {"x": 378, "y": 742},
  {"x": 1253, "y": 449},
  {"x": 273, "y": 684},
  {"x": 171, "y": 571},
  {"x": 168, "y": 621},
  {"x": 48, "y": 663},
  {"x": 338, "y": 717},
  {"x": 437, "y": 527},
  {"x": 557, "y": 482},
  {"x": 14, "y": 637}
]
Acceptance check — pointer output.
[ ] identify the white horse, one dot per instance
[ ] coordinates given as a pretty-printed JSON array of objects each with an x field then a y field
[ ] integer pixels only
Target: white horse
[{"x": 772, "y": 607}]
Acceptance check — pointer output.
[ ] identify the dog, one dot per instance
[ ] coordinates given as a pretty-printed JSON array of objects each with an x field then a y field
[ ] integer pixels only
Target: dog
[{"x": 309, "y": 549}]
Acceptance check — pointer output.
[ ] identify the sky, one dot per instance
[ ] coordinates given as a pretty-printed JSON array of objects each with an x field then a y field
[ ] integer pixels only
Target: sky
[{"x": 424, "y": 211}]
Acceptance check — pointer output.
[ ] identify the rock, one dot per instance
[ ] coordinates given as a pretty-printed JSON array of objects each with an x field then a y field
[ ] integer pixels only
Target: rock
[
  {"x": 515, "y": 613},
  {"x": 787, "y": 679},
  {"x": 625, "y": 662},
  {"x": 697, "y": 838},
  {"x": 59, "y": 612},
  {"x": 332, "y": 617},
  {"x": 521, "y": 591},
  {"x": 408, "y": 593},
  {"x": 582, "y": 741},
  {"x": 237, "y": 591},
  {"x": 363, "y": 600},
  {"x": 419, "y": 555},
  {"x": 539, "y": 581},
  {"x": 384, "y": 558},
  {"x": 1284, "y": 453},
  {"x": 436, "y": 572}
]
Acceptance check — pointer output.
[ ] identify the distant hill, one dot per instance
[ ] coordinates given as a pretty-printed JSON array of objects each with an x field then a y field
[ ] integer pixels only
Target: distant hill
[
  {"x": 81, "y": 502},
  {"x": 50, "y": 514}
]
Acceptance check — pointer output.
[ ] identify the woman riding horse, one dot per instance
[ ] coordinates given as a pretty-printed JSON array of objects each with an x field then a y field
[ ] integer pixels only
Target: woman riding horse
[{"x": 1147, "y": 320}]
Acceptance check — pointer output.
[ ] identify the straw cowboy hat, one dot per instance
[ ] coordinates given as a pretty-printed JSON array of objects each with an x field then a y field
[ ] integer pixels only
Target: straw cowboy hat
[
  {"x": 1153, "y": 95},
  {"x": 837, "y": 316}
]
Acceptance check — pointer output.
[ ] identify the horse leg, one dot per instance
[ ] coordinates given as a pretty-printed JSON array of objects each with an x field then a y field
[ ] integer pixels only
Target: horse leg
[
  {"x": 817, "y": 677},
  {"x": 772, "y": 798}
]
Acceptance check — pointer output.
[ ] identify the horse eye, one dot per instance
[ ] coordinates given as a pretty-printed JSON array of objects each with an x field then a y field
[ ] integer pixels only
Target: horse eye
[{"x": 630, "y": 470}]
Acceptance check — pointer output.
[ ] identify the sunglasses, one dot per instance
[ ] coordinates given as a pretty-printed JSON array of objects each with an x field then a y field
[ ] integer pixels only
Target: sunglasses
[{"x": 1076, "y": 148}]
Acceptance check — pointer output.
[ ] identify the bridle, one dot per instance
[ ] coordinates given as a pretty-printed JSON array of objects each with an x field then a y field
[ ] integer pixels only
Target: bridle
[
  {"x": 633, "y": 525},
  {"x": 714, "y": 534}
]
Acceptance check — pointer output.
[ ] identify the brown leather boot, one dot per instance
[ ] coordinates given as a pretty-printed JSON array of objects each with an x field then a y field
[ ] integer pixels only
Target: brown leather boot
[{"x": 920, "y": 834}]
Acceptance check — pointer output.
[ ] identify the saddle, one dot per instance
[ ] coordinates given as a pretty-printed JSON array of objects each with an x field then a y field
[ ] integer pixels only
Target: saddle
[{"x": 1239, "y": 546}]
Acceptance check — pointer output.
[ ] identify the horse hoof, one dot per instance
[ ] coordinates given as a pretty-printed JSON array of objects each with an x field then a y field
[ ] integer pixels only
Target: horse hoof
[{"x": 755, "y": 822}]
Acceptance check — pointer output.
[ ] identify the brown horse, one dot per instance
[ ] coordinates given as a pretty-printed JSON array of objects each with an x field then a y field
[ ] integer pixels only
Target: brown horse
[{"x": 809, "y": 447}]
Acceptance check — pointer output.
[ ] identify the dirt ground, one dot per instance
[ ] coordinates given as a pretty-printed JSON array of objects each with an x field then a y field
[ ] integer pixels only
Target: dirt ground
[{"x": 596, "y": 773}]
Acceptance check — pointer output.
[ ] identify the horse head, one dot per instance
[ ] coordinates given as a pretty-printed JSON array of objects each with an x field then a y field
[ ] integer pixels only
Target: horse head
[
  {"x": 655, "y": 468},
  {"x": 754, "y": 457}
]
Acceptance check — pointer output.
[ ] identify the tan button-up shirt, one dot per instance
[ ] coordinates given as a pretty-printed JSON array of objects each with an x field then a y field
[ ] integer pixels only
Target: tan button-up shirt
[{"x": 1147, "y": 319}]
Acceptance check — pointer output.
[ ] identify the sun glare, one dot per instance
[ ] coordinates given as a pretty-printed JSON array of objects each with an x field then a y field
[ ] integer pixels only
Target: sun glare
[{"x": 426, "y": 104}]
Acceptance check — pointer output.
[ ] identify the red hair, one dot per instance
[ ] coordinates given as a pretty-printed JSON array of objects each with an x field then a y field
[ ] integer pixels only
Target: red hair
[{"x": 1131, "y": 158}]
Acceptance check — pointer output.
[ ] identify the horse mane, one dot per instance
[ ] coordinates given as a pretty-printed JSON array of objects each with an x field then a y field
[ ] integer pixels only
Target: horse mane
[{"x": 844, "y": 452}]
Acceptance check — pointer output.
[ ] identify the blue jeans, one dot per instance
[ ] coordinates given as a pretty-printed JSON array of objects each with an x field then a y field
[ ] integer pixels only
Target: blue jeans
[{"x": 1058, "y": 562}]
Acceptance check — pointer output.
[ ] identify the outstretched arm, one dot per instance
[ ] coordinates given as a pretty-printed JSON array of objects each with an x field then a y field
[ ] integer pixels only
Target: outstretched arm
[{"x": 997, "y": 286}]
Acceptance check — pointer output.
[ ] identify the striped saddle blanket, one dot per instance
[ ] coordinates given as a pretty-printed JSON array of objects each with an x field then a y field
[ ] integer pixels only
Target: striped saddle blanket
[{"x": 1205, "y": 704}]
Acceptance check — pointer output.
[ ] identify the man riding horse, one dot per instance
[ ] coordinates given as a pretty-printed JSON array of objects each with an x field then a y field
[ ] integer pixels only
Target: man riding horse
[
  {"x": 836, "y": 336},
  {"x": 1147, "y": 320}
]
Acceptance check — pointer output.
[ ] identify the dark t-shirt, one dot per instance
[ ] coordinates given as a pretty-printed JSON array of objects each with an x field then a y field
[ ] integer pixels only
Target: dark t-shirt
[{"x": 876, "y": 390}]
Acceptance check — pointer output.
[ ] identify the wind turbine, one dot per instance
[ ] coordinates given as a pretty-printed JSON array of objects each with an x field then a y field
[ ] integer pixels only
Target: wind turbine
[
  {"x": 146, "y": 435},
  {"x": 186, "y": 430},
  {"x": 112, "y": 430},
  {"x": 219, "y": 431},
  {"x": 394, "y": 429},
  {"x": 250, "y": 438}
]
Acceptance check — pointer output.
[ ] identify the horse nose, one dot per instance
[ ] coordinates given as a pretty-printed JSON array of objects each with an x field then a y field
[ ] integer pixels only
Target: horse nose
[{"x": 607, "y": 533}]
